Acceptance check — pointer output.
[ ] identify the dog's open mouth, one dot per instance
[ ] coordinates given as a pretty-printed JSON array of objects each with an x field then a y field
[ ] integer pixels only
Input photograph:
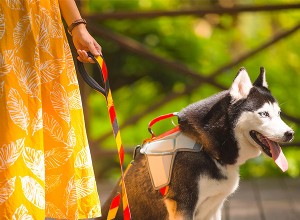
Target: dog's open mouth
[{"x": 270, "y": 148}]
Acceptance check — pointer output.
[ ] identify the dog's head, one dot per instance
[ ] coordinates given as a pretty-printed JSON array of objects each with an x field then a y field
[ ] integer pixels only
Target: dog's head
[{"x": 237, "y": 124}]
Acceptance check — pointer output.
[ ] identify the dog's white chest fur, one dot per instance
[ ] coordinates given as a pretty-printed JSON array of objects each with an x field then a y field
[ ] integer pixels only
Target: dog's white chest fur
[{"x": 213, "y": 193}]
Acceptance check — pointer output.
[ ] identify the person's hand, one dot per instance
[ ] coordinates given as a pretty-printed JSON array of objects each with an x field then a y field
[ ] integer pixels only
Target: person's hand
[{"x": 84, "y": 43}]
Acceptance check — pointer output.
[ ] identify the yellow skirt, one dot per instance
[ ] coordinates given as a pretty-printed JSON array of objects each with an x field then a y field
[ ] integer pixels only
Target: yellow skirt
[{"x": 45, "y": 162}]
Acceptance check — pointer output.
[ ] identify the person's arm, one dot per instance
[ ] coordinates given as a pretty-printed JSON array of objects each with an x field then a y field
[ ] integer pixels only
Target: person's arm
[
  {"x": 69, "y": 11},
  {"x": 82, "y": 40}
]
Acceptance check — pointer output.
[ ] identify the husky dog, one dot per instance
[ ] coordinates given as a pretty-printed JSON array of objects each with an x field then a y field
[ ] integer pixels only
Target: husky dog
[{"x": 232, "y": 127}]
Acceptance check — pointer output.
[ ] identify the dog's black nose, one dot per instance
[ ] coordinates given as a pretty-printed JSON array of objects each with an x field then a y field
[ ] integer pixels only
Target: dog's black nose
[{"x": 289, "y": 135}]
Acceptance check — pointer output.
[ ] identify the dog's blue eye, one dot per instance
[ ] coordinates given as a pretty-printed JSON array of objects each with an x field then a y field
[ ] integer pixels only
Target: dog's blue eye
[{"x": 264, "y": 114}]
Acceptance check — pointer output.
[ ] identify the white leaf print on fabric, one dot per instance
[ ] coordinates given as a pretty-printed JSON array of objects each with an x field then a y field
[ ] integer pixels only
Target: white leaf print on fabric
[
  {"x": 52, "y": 181},
  {"x": 6, "y": 62},
  {"x": 28, "y": 79},
  {"x": 71, "y": 138},
  {"x": 34, "y": 160},
  {"x": 83, "y": 159},
  {"x": 54, "y": 10},
  {"x": 43, "y": 38},
  {"x": 33, "y": 1},
  {"x": 54, "y": 26},
  {"x": 1, "y": 89},
  {"x": 76, "y": 214},
  {"x": 52, "y": 211},
  {"x": 60, "y": 101},
  {"x": 37, "y": 122},
  {"x": 75, "y": 99},
  {"x": 21, "y": 213},
  {"x": 56, "y": 29},
  {"x": 71, "y": 73},
  {"x": 53, "y": 128},
  {"x": 15, "y": 4},
  {"x": 18, "y": 112},
  {"x": 85, "y": 186},
  {"x": 4, "y": 66},
  {"x": 51, "y": 69},
  {"x": 9, "y": 153},
  {"x": 2, "y": 24},
  {"x": 70, "y": 195},
  {"x": 21, "y": 31},
  {"x": 77, "y": 189},
  {"x": 8, "y": 56},
  {"x": 57, "y": 156},
  {"x": 33, "y": 191},
  {"x": 95, "y": 211},
  {"x": 6, "y": 189},
  {"x": 36, "y": 58}
]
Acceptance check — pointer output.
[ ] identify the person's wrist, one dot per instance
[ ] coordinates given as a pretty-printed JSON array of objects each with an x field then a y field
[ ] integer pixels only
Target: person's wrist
[
  {"x": 77, "y": 24},
  {"x": 78, "y": 29}
]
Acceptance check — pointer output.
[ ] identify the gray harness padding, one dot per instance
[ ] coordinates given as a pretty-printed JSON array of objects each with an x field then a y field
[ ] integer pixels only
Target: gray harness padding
[{"x": 161, "y": 153}]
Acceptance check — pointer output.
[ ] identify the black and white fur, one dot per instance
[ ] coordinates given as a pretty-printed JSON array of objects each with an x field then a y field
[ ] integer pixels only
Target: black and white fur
[{"x": 202, "y": 181}]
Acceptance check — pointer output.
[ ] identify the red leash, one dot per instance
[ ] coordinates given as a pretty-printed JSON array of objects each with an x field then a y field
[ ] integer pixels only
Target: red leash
[{"x": 105, "y": 90}]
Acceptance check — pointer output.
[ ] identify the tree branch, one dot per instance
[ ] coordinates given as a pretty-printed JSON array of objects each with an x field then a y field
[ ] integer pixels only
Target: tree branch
[
  {"x": 253, "y": 52},
  {"x": 192, "y": 12}
]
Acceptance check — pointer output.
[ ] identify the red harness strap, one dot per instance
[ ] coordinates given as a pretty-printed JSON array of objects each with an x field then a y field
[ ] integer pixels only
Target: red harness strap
[
  {"x": 163, "y": 191},
  {"x": 159, "y": 118}
]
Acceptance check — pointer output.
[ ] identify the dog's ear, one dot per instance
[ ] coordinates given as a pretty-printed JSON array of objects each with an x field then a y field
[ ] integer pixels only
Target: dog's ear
[
  {"x": 261, "y": 79},
  {"x": 241, "y": 85}
]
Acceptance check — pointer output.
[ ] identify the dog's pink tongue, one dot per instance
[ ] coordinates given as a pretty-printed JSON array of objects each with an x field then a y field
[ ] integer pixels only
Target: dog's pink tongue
[{"x": 278, "y": 156}]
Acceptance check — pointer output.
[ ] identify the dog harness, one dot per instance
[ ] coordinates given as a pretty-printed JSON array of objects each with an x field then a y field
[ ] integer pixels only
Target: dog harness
[{"x": 161, "y": 151}]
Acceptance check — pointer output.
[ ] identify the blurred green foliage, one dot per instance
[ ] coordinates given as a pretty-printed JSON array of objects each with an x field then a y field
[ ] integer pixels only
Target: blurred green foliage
[{"x": 203, "y": 44}]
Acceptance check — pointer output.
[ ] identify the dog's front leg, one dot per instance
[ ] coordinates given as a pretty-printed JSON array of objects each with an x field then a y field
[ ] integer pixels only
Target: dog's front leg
[
  {"x": 173, "y": 213},
  {"x": 218, "y": 215}
]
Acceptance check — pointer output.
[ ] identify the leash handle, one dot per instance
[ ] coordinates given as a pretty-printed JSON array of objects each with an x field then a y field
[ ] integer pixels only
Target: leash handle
[
  {"x": 105, "y": 90},
  {"x": 159, "y": 118},
  {"x": 99, "y": 61}
]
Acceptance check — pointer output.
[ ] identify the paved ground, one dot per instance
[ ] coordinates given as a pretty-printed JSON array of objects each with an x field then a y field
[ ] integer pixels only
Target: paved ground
[
  {"x": 265, "y": 199},
  {"x": 258, "y": 199}
]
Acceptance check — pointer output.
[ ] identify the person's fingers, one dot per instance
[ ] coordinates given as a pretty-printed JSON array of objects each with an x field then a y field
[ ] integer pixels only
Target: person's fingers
[
  {"x": 79, "y": 58},
  {"x": 83, "y": 54},
  {"x": 90, "y": 60},
  {"x": 83, "y": 57},
  {"x": 98, "y": 47},
  {"x": 93, "y": 48},
  {"x": 80, "y": 54}
]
